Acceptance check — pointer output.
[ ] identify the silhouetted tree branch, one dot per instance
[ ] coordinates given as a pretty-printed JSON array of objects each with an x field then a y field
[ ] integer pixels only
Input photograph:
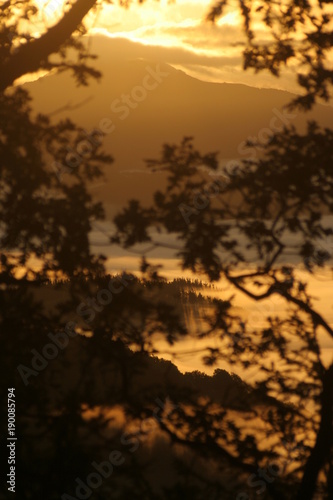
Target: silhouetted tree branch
[{"x": 33, "y": 55}]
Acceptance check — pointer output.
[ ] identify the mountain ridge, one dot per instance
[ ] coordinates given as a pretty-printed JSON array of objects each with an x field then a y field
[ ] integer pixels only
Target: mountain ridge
[{"x": 220, "y": 116}]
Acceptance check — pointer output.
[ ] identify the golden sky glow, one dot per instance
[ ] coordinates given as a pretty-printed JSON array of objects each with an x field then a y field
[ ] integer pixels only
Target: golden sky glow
[
  {"x": 154, "y": 22},
  {"x": 180, "y": 26}
]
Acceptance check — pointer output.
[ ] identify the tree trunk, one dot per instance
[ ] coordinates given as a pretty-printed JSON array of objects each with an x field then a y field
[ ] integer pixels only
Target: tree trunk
[{"x": 322, "y": 449}]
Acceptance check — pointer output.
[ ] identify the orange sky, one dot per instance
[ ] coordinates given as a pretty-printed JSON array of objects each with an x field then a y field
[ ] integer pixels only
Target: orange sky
[{"x": 207, "y": 50}]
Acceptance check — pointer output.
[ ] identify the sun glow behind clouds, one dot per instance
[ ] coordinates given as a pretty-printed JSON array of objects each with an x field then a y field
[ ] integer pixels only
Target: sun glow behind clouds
[
  {"x": 158, "y": 23},
  {"x": 180, "y": 25},
  {"x": 161, "y": 23}
]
